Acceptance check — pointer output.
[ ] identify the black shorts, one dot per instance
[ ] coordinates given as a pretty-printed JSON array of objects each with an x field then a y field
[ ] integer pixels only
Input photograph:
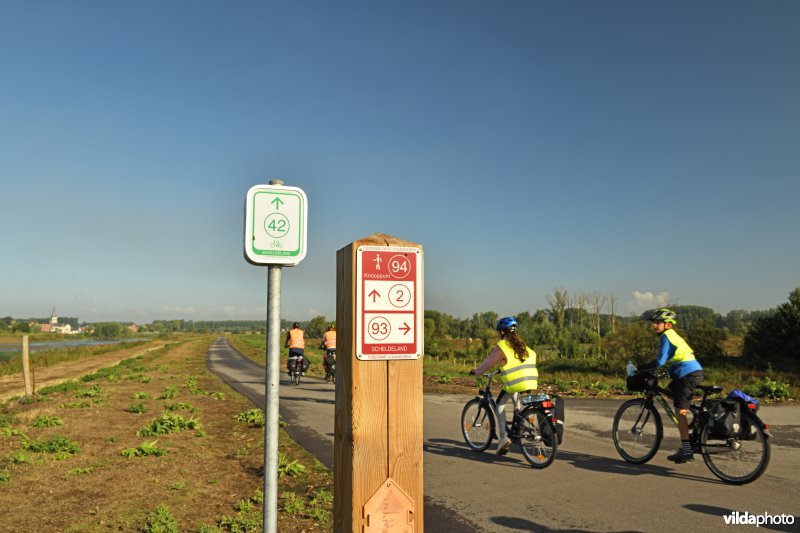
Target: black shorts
[{"x": 682, "y": 389}]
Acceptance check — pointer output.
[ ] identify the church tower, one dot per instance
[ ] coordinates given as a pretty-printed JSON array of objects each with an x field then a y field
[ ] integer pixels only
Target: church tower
[{"x": 53, "y": 317}]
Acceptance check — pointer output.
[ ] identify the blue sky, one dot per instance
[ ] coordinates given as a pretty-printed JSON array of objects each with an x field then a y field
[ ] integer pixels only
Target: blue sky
[{"x": 641, "y": 149}]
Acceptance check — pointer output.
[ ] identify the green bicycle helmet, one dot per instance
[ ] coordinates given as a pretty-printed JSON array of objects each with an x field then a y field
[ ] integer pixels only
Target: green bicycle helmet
[{"x": 663, "y": 315}]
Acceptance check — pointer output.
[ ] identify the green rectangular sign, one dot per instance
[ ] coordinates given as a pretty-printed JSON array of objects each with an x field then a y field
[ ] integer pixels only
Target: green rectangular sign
[{"x": 275, "y": 225}]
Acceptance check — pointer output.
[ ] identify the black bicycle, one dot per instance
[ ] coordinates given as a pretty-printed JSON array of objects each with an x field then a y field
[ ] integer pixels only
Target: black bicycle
[
  {"x": 297, "y": 366},
  {"x": 737, "y": 458},
  {"x": 533, "y": 426},
  {"x": 330, "y": 366}
]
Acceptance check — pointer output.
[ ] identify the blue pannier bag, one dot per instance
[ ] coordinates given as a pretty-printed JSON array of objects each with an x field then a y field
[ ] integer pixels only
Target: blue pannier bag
[
  {"x": 747, "y": 431},
  {"x": 743, "y": 398}
]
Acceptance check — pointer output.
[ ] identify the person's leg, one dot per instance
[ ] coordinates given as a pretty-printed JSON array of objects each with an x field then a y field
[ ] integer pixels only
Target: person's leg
[
  {"x": 503, "y": 442},
  {"x": 682, "y": 392}
]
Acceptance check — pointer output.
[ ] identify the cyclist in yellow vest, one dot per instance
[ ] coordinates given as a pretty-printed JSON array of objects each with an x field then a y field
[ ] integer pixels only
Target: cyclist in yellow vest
[
  {"x": 684, "y": 369},
  {"x": 296, "y": 342},
  {"x": 329, "y": 345},
  {"x": 518, "y": 373}
]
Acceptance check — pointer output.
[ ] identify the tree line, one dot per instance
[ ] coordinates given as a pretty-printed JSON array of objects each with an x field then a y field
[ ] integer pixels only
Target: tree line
[
  {"x": 579, "y": 325},
  {"x": 587, "y": 326}
]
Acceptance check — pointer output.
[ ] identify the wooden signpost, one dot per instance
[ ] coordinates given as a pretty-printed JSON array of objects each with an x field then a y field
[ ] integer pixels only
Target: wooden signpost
[{"x": 378, "y": 425}]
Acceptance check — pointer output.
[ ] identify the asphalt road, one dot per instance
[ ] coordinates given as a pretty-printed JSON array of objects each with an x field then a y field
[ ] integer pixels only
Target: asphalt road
[{"x": 588, "y": 488}]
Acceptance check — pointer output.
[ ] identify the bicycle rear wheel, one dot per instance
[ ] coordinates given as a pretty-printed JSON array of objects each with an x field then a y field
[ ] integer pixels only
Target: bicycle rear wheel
[
  {"x": 477, "y": 425},
  {"x": 537, "y": 438},
  {"x": 637, "y": 431},
  {"x": 733, "y": 460}
]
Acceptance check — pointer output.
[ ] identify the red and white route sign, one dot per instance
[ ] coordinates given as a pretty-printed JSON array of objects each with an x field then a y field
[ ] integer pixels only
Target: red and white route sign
[{"x": 388, "y": 303}]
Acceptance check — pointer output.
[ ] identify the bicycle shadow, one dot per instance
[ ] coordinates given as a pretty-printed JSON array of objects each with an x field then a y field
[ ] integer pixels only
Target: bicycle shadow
[
  {"x": 294, "y": 393},
  {"x": 522, "y": 524},
  {"x": 291, "y": 399},
  {"x": 457, "y": 449},
  {"x": 596, "y": 463}
]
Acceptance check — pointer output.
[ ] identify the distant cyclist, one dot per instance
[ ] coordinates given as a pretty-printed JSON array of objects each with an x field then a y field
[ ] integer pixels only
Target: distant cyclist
[
  {"x": 685, "y": 371},
  {"x": 518, "y": 373},
  {"x": 329, "y": 345},
  {"x": 296, "y": 342}
]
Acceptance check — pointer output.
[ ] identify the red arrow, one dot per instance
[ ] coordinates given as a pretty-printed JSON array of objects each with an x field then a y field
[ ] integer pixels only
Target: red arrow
[
  {"x": 407, "y": 328},
  {"x": 375, "y": 295}
]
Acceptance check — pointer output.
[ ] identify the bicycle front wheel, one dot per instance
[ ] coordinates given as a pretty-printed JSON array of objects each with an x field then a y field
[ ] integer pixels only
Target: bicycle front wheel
[
  {"x": 734, "y": 460},
  {"x": 637, "y": 431},
  {"x": 477, "y": 425},
  {"x": 537, "y": 438}
]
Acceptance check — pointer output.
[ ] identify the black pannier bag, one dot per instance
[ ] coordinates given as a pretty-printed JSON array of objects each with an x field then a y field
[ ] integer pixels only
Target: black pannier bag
[
  {"x": 558, "y": 402},
  {"x": 554, "y": 407},
  {"x": 641, "y": 382},
  {"x": 293, "y": 364},
  {"x": 748, "y": 431},
  {"x": 724, "y": 418}
]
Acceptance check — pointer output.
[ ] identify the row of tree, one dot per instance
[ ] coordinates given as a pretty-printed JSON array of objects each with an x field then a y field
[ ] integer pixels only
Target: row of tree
[
  {"x": 573, "y": 326},
  {"x": 588, "y": 326}
]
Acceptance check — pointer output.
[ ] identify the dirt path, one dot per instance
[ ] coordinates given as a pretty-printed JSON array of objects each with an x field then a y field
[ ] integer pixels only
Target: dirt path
[{"x": 13, "y": 384}]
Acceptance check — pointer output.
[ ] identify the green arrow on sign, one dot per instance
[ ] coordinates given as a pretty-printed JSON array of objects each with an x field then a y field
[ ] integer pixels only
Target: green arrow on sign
[{"x": 277, "y": 201}]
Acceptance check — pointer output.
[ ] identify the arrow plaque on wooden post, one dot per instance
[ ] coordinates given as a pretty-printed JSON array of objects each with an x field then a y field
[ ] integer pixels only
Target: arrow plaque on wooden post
[{"x": 378, "y": 425}]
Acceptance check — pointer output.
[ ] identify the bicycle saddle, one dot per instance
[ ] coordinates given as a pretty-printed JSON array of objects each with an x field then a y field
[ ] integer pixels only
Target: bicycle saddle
[{"x": 710, "y": 388}]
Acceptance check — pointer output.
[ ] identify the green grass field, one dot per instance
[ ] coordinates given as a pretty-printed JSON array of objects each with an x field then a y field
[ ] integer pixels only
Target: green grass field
[{"x": 573, "y": 377}]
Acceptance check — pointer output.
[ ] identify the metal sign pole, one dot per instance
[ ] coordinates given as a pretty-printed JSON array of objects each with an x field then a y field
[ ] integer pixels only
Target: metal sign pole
[
  {"x": 275, "y": 234},
  {"x": 272, "y": 386}
]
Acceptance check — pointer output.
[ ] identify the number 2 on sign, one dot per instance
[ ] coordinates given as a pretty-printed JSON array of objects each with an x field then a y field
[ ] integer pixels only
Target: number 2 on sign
[
  {"x": 399, "y": 266},
  {"x": 399, "y": 295}
]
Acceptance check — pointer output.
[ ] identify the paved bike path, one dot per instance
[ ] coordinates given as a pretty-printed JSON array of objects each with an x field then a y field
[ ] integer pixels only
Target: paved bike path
[
  {"x": 588, "y": 487},
  {"x": 308, "y": 409}
]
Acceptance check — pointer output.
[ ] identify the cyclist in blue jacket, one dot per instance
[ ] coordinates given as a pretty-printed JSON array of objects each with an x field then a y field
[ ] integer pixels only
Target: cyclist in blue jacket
[{"x": 685, "y": 371}]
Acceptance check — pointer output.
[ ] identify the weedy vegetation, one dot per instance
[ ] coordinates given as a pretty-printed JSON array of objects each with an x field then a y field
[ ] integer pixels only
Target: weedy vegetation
[{"x": 85, "y": 444}]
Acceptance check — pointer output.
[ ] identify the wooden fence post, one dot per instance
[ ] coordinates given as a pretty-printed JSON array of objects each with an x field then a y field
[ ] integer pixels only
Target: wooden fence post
[
  {"x": 26, "y": 367},
  {"x": 378, "y": 417}
]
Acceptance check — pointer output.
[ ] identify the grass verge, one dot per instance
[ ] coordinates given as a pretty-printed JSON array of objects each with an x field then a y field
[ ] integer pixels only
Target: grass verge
[{"x": 92, "y": 472}]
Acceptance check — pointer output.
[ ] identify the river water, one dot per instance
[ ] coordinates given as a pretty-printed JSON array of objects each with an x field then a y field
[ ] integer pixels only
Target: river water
[{"x": 9, "y": 348}]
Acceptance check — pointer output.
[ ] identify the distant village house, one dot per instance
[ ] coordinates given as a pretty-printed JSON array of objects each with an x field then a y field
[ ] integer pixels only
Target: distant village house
[{"x": 53, "y": 326}]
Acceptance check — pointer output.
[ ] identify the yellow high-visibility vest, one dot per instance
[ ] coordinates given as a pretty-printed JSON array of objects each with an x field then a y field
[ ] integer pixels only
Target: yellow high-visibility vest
[
  {"x": 516, "y": 375},
  {"x": 683, "y": 352}
]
